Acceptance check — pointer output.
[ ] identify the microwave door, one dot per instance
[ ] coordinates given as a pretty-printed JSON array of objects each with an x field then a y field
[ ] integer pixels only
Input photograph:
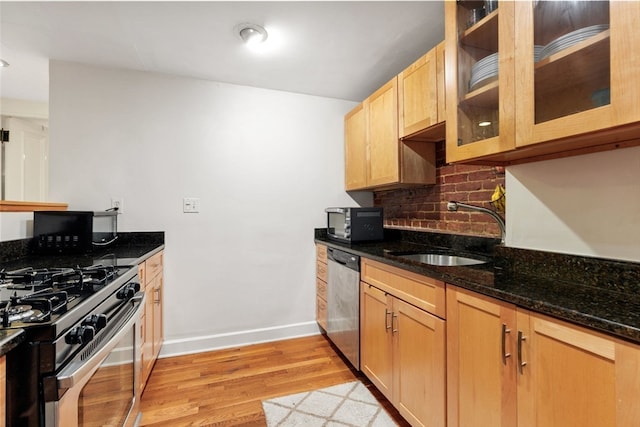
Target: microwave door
[{"x": 337, "y": 225}]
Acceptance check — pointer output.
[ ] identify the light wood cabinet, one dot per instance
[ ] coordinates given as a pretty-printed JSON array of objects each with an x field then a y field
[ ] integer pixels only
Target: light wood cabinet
[
  {"x": 403, "y": 345},
  {"x": 508, "y": 366},
  {"x": 151, "y": 324},
  {"x": 382, "y": 123},
  {"x": 389, "y": 136},
  {"x": 421, "y": 98},
  {"x": 3, "y": 390},
  {"x": 554, "y": 88},
  {"x": 355, "y": 148},
  {"x": 481, "y": 378},
  {"x": 321, "y": 286},
  {"x": 564, "y": 366}
]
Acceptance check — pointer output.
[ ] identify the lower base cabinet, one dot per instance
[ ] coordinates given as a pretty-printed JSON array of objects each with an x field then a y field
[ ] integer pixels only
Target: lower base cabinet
[
  {"x": 151, "y": 324},
  {"x": 3, "y": 390},
  {"x": 403, "y": 346},
  {"x": 510, "y": 367},
  {"x": 481, "y": 373}
]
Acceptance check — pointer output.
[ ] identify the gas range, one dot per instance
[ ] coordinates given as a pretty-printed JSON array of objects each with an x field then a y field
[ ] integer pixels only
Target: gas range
[{"x": 68, "y": 313}]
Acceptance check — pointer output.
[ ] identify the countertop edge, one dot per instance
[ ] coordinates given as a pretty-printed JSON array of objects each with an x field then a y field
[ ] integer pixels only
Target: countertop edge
[{"x": 10, "y": 339}]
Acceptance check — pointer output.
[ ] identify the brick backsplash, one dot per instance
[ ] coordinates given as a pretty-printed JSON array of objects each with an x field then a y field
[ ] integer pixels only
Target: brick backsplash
[{"x": 425, "y": 208}]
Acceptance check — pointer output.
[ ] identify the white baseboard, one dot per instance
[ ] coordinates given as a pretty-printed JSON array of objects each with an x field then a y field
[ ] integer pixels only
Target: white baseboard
[{"x": 179, "y": 347}]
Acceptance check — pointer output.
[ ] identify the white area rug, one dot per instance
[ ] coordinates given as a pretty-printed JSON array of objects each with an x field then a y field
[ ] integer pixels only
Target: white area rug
[{"x": 349, "y": 404}]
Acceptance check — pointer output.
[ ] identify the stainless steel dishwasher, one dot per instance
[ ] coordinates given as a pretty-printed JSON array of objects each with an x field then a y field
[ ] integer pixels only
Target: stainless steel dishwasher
[{"x": 343, "y": 303}]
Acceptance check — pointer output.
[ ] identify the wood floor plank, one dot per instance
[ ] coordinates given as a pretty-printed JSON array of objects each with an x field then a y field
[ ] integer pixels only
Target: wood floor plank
[{"x": 226, "y": 388}]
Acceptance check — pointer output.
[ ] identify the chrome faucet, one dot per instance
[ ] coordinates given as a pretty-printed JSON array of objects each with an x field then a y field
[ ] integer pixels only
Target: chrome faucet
[{"x": 454, "y": 206}]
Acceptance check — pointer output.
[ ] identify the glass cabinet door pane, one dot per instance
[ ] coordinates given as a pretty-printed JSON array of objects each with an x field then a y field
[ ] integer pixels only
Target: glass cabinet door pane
[
  {"x": 477, "y": 23},
  {"x": 572, "y": 57}
]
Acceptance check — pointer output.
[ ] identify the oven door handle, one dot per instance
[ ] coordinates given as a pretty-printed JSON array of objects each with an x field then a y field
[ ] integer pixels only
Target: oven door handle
[{"x": 73, "y": 373}]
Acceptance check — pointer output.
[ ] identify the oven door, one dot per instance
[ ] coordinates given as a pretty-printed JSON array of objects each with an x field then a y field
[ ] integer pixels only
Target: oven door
[{"x": 100, "y": 386}]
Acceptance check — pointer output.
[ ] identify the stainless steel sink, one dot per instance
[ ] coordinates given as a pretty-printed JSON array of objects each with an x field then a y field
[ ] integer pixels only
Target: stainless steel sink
[{"x": 442, "y": 260}]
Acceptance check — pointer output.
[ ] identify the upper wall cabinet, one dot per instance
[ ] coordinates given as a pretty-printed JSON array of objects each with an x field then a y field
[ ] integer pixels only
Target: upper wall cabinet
[
  {"x": 421, "y": 98},
  {"x": 387, "y": 136},
  {"x": 540, "y": 79}
]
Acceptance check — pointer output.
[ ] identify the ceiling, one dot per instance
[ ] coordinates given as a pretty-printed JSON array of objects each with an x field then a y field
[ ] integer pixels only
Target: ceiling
[{"x": 338, "y": 49}]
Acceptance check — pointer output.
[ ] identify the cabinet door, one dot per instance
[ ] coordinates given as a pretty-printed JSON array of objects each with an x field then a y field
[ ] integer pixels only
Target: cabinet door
[
  {"x": 480, "y": 80},
  {"x": 355, "y": 148},
  {"x": 440, "y": 82},
  {"x": 419, "y": 365},
  {"x": 147, "y": 346},
  {"x": 384, "y": 166},
  {"x": 417, "y": 95},
  {"x": 375, "y": 338},
  {"x": 157, "y": 315},
  {"x": 481, "y": 382},
  {"x": 3, "y": 389},
  {"x": 570, "y": 376},
  {"x": 584, "y": 80}
]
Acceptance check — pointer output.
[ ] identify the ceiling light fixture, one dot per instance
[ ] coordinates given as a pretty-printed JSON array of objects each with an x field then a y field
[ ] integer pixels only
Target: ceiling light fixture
[
  {"x": 252, "y": 33},
  {"x": 3, "y": 63}
]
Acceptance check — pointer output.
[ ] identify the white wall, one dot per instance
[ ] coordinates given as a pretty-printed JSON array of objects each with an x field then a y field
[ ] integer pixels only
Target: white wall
[
  {"x": 15, "y": 225},
  {"x": 586, "y": 205},
  {"x": 264, "y": 164}
]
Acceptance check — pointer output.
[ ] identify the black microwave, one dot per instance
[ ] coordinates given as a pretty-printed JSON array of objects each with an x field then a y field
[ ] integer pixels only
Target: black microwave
[
  {"x": 73, "y": 231},
  {"x": 355, "y": 224}
]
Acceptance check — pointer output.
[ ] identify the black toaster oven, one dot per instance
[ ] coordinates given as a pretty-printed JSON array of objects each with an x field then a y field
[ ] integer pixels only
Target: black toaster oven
[{"x": 352, "y": 225}]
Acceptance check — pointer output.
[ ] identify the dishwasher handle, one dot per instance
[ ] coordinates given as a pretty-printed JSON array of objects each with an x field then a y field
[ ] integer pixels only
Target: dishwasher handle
[{"x": 346, "y": 259}]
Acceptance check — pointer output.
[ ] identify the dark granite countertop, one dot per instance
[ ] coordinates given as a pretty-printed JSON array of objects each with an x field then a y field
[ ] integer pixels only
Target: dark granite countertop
[
  {"x": 129, "y": 250},
  {"x": 597, "y": 293},
  {"x": 9, "y": 339}
]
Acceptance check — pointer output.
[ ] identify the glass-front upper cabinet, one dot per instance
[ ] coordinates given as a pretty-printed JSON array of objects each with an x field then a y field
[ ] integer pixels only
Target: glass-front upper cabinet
[
  {"x": 479, "y": 78},
  {"x": 538, "y": 79},
  {"x": 571, "y": 50}
]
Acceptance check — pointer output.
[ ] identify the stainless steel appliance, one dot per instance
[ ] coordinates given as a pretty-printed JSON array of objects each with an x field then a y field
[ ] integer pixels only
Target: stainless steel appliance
[
  {"x": 355, "y": 224},
  {"x": 79, "y": 363},
  {"x": 73, "y": 231},
  {"x": 343, "y": 303}
]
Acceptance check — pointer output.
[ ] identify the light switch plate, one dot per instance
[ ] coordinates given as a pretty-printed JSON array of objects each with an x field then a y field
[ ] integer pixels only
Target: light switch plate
[{"x": 191, "y": 205}]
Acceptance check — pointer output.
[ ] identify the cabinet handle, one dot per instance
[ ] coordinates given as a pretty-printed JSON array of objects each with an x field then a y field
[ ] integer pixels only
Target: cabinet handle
[
  {"x": 521, "y": 364},
  {"x": 157, "y": 296},
  {"x": 393, "y": 316},
  {"x": 505, "y": 355},
  {"x": 386, "y": 315}
]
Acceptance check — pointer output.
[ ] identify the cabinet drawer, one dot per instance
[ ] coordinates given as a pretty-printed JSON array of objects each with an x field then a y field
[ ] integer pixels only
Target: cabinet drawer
[
  {"x": 321, "y": 253},
  {"x": 321, "y": 270},
  {"x": 321, "y": 312},
  {"x": 421, "y": 291},
  {"x": 153, "y": 266},
  {"x": 321, "y": 288}
]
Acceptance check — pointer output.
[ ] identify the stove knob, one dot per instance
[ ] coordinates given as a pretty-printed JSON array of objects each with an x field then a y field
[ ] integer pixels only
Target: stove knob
[
  {"x": 80, "y": 335},
  {"x": 97, "y": 321},
  {"x": 135, "y": 286},
  {"x": 126, "y": 293}
]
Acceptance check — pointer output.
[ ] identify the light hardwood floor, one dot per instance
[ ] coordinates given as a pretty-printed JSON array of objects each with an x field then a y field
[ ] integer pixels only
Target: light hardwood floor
[{"x": 226, "y": 387}]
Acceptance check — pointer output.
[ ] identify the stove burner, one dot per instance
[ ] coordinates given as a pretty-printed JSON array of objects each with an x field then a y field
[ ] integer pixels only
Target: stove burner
[
  {"x": 22, "y": 313},
  {"x": 31, "y": 295},
  {"x": 31, "y": 309},
  {"x": 34, "y": 277}
]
